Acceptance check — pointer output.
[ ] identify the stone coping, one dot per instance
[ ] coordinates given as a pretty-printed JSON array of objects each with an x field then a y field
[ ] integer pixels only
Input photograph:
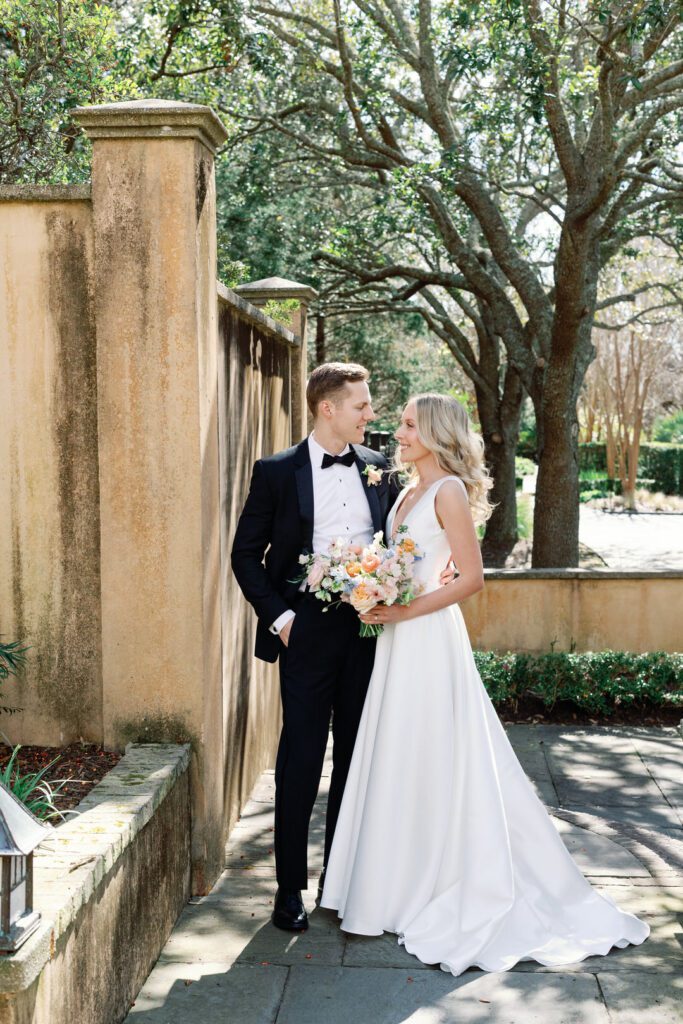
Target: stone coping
[
  {"x": 151, "y": 118},
  {"x": 45, "y": 193},
  {"x": 277, "y": 288},
  {"x": 256, "y": 316},
  {"x": 70, "y": 864},
  {"x": 583, "y": 574}
]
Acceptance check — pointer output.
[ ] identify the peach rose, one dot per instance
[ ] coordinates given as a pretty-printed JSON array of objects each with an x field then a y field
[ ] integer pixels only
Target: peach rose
[
  {"x": 407, "y": 545},
  {"x": 370, "y": 562},
  {"x": 353, "y": 568},
  {"x": 363, "y": 598}
]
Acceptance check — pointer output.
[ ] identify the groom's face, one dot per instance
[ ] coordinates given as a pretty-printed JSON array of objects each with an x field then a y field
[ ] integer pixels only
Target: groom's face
[{"x": 350, "y": 414}]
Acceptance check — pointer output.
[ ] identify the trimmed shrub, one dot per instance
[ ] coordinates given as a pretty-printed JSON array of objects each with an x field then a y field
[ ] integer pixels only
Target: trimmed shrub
[
  {"x": 599, "y": 682},
  {"x": 664, "y": 463},
  {"x": 660, "y": 466},
  {"x": 593, "y": 457}
]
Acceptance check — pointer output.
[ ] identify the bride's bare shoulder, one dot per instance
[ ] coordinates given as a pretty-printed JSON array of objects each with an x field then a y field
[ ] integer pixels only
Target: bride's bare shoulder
[
  {"x": 451, "y": 485},
  {"x": 451, "y": 500}
]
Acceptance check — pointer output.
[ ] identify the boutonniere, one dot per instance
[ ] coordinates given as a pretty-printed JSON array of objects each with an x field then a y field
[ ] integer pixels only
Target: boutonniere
[{"x": 373, "y": 475}]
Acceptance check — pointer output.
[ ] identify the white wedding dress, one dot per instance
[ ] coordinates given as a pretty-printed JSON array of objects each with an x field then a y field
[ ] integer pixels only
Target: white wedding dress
[{"x": 441, "y": 837}]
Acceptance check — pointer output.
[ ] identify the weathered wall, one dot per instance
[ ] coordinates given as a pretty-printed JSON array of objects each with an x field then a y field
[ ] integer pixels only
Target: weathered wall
[
  {"x": 255, "y": 421},
  {"x": 154, "y": 218},
  {"x": 129, "y": 428},
  {"x": 583, "y": 610},
  {"x": 109, "y": 896},
  {"x": 49, "y": 497}
]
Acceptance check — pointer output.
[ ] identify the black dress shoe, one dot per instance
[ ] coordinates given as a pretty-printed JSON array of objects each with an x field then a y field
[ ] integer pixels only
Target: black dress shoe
[
  {"x": 289, "y": 912},
  {"x": 321, "y": 886}
]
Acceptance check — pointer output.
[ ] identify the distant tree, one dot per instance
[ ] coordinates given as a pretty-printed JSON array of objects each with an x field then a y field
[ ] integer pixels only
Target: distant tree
[{"x": 669, "y": 428}]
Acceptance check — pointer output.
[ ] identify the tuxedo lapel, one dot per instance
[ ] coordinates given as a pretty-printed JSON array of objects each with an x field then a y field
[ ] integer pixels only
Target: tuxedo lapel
[
  {"x": 304, "y": 489},
  {"x": 370, "y": 494}
]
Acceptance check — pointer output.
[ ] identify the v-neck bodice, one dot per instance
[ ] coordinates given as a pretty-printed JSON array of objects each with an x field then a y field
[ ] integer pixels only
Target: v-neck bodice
[{"x": 424, "y": 528}]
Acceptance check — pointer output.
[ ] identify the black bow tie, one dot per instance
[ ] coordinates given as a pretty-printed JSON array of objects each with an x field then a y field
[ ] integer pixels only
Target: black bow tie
[{"x": 346, "y": 460}]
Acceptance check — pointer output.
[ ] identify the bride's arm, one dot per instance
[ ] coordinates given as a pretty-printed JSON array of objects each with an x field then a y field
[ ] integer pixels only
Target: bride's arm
[{"x": 453, "y": 511}]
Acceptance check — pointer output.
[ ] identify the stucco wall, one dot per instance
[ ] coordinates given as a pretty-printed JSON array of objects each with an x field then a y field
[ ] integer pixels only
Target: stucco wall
[
  {"x": 255, "y": 420},
  {"x": 49, "y": 498},
  {"x": 573, "y": 609}
]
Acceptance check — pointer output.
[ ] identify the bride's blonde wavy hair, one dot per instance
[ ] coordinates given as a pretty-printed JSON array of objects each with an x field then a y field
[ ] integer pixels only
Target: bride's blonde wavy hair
[{"x": 443, "y": 426}]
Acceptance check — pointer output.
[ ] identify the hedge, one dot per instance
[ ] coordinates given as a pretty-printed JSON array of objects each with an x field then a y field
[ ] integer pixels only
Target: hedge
[
  {"x": 664, "y": 463},
  {"x": 600, "y": 682},
  {"x": 660, "y": 463}
]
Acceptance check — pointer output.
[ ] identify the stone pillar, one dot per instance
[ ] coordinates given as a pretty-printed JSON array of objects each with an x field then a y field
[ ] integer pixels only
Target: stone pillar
[
  {"x": 277, "y": 289},
  {"x": 154, "y": 211}
]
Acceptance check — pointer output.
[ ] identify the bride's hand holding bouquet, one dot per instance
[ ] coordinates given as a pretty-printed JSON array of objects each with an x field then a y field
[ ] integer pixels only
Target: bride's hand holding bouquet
[{"x": 377, "y": 581}]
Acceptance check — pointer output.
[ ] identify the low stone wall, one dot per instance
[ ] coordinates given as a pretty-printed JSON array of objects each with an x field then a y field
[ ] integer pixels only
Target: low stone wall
[
  {"x": 110, "y": 884},
  {"x": 536, "y": 610}
]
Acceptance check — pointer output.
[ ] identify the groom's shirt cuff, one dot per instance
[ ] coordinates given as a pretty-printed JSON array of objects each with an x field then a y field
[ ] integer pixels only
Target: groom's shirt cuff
[{"x": 281, "y": 621}]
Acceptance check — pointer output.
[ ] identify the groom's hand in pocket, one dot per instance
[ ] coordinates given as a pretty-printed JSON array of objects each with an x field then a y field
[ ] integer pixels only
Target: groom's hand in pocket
[
  {"x": 285, "y": 631},
  {"x": 448, "y": 574}
]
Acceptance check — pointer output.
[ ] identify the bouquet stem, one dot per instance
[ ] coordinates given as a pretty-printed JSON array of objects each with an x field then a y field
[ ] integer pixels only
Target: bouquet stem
[{"x": 371, "y": 629}]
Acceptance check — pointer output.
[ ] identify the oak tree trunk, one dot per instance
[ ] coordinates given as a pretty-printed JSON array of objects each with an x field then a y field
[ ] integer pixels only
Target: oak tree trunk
[
  {"x": 556, "y": 507},
  {"x": 499, "y": 418}
]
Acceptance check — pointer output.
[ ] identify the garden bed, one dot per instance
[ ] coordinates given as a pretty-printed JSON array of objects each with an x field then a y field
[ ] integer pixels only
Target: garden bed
[
  {"x": 532, "y": 711},
  {"x": 82, "y": 764},
  {"x": 109, "y": 884},
  {"x": 590, "y": 688}
]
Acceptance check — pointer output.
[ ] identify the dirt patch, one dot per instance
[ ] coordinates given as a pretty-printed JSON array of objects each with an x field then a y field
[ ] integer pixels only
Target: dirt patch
[
  {"x": 83, "y": 764},
  {"x": 533, "y": 712}
]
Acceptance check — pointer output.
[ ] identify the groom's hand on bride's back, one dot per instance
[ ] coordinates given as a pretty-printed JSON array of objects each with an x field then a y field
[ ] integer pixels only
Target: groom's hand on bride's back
[{"x": 448, "y": 574}]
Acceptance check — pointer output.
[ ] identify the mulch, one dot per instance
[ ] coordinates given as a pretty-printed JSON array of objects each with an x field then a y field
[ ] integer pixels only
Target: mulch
[
  {"x": 533, "y": 712},
  {"x": 83, "y": 764}
]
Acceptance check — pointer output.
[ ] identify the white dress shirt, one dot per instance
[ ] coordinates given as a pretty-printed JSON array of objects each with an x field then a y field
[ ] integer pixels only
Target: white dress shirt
[{"x": 340, "y": 506}]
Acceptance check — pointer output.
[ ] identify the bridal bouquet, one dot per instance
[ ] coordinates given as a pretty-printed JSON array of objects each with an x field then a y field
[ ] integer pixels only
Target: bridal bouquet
[{"x": 364, "y": 577}]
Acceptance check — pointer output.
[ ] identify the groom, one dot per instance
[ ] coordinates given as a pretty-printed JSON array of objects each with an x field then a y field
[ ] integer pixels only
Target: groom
[{"x": 301, "y": 500}]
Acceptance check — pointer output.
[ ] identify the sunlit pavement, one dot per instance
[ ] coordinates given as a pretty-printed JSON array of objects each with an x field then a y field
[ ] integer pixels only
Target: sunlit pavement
[
  {"x": 642, "y": 540},
  {"x": 617, "y": 799}
]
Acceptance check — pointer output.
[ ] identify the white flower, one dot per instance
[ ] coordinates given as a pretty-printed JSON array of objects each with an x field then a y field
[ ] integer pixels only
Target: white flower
[{"x": 373, "y": 474}]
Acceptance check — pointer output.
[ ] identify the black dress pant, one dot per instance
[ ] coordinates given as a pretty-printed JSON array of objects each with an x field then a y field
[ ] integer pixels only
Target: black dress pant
[{"x": 324, "y": 673}]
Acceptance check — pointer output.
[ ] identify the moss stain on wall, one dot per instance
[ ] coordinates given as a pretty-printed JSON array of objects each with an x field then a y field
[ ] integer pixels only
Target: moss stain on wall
[{"x": 72, "y": 687}]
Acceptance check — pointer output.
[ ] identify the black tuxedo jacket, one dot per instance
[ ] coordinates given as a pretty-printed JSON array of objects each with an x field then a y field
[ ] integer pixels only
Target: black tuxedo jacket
[{"x": 277, "y": 521}]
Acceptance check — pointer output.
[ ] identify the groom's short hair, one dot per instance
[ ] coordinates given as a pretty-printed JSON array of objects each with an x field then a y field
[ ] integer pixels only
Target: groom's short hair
[{"x": 328, "y": 381}]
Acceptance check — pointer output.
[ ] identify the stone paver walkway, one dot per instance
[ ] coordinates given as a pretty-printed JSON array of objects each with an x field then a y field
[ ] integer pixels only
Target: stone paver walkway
[
  {"x": 616, "y": 797},
  {"x": 642, "y": 540}
]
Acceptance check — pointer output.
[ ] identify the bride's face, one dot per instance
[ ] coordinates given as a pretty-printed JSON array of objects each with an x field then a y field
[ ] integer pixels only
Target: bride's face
[{"x": 412, "y": 448}]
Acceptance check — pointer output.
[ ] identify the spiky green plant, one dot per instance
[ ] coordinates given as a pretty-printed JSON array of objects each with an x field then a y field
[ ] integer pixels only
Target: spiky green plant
[
  {"x": 12, "y": 659},
  {"x": 32, "y": 788},
  {"x": 12, "y": 663}
]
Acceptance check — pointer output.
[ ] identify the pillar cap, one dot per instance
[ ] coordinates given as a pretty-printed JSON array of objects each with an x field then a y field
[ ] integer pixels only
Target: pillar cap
[
  {"x": 152, "y": 119},
  {"x": 276, "y": 288}
]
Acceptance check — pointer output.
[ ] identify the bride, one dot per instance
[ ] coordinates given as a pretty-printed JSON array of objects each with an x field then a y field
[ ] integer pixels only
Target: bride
[{"x": 441, "y": 838}]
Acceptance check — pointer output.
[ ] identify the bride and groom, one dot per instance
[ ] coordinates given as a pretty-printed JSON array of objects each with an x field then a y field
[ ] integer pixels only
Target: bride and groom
[{"x": 433, "y": 831}]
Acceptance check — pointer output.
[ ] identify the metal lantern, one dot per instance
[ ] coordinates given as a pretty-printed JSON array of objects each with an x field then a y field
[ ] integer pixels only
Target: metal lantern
[{"x": 20, "y": 833}]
